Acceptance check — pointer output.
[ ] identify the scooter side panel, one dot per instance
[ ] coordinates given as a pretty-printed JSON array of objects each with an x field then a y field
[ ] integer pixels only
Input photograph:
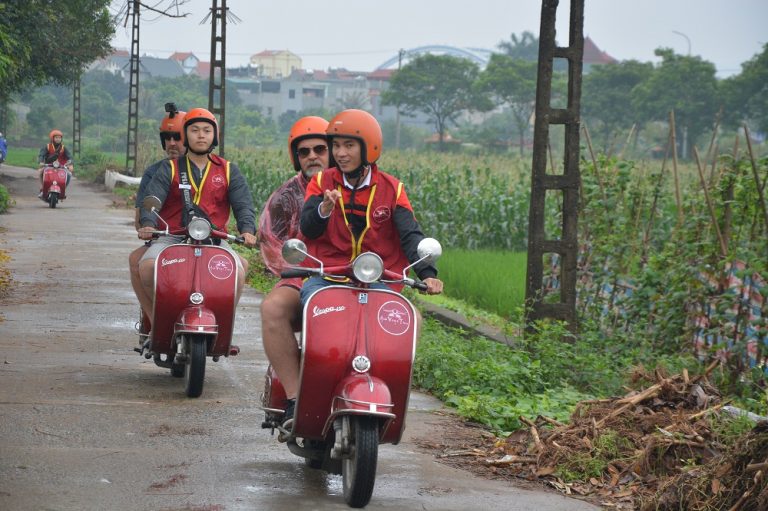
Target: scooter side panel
[
  {"x": 341, "y": 323},
  {"x": 175, "y": 281}
]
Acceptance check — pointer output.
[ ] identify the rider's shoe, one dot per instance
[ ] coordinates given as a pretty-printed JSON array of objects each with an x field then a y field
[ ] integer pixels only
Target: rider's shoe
[
  {"x": 290, "y": 406},
  {"x": 40, "y": 195}
]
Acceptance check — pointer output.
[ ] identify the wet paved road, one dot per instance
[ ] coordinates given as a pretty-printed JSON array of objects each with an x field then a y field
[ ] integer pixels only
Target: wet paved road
[{"x": 86, "y": 424}]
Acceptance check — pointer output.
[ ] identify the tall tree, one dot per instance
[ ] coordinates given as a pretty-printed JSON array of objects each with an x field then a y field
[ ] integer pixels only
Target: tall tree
[
  {"x": 513, "y": 82},
  {"x": 441, "y": 86},
  {"x": 44, "y": 41},
  {"x": 525, "y": 47},
  {"x": 747, "y": 93},
  {"x": 606, "y": 100},
  {"x": 684, "y": 84}
]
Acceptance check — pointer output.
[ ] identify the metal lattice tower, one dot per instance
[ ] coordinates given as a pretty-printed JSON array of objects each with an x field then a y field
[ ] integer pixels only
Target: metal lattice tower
[
  {"x": 217, "y": 79},
  {"x": 133, "y": 93},
  {"x": 565, "y": 186},
  {"x": 76, "y": 118}
]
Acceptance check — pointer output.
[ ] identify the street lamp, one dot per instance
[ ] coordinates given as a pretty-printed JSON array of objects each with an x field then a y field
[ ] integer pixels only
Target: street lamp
[{"x": 686, "y": 38}]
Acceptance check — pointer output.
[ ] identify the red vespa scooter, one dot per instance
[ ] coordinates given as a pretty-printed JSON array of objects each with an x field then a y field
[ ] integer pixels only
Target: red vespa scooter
[
  {"x": 194, "y": 313},
  {"x": 357, "y": 351},
  {"x": 54, "y": 184}
]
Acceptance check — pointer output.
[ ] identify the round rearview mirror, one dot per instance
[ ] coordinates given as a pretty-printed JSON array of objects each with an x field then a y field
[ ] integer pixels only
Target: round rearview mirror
[
  {"x": 151, "y": 202},
  {"x": 294, "y": 251},
  {"x": 430, "y": 248}
]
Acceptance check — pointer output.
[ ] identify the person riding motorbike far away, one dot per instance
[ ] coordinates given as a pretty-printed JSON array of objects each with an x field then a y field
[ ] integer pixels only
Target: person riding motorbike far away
[
  {"x": 353, "y": 207},
  {"x": 3, "y": 148},
  {"x": 215, "y": 185},
  {"x": 279, "y": 221},
  {"x": 52, "y": 152},
  {"x": 170, "y": 139}
]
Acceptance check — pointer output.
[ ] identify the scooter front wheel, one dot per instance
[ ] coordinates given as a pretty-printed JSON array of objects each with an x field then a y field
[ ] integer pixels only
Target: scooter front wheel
[
  {"x": 194, "y": 369},
  {"x": 53, "y": 199},
  {"x": 359, "y": 467}
]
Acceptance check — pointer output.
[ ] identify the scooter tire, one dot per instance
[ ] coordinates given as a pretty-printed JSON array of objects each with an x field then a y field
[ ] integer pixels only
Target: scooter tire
[
  {"x": 194, "y": 369},
  {"x": 53, "y": 199},
  {"x": 359, "y": 469}
]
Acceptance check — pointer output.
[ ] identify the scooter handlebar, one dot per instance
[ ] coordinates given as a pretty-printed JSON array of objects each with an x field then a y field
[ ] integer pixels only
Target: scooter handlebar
[{"x": 292, "y": 273}]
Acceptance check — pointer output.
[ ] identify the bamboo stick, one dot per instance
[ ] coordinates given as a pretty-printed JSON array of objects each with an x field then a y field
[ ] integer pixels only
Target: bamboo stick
[
  {"x": 594, "y": 162},
  {"x": 678, "y": 199},
  {"x": 756, "y": 176},
  {"x": 716, "y": 225}
]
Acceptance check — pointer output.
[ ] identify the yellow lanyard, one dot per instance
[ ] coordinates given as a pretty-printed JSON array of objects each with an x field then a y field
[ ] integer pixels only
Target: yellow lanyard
[{"x": 198, "y": 189}]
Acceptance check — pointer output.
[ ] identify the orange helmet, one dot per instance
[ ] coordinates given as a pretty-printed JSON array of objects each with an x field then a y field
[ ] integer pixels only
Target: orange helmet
[
  {"x": 201, "y": 114},
  {"x": 362, "y": 126},
  {"x": 171, "y": 123},
  {"x": 53, "y": 133},
  {"x": 306, "y": 127}
]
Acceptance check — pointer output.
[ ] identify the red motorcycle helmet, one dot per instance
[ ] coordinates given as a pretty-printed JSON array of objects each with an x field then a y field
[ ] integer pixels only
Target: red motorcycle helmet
[
  {"x": 197, "y": 115},
  {"x": 172, "y": 123},
  {"x": 360, "y": 125},
  {"x": 306, "y": 127},
  {"x": 53, "y": 133}
]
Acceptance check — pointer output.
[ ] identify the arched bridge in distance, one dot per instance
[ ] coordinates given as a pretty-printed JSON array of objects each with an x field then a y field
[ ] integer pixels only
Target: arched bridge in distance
[{"x": 479, "y": 56}]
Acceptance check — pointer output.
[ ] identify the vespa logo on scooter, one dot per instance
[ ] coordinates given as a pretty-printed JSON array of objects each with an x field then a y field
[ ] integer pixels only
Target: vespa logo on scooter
[
  {"x": 394, "y": 318},
  {"x": 317, "y": 311}
]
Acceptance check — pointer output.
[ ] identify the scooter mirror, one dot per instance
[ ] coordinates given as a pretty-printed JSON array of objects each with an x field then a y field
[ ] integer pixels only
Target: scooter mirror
[
  {"x": 294, "y": 251},
  {"x": 151, "y": 202},
  {"x": 429, "y": 249}
]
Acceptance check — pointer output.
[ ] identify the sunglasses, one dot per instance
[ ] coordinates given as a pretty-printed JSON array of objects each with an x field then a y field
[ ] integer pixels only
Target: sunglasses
[
  {"x": 319, "y": 150},
  {"x": 168, "y": 135}
]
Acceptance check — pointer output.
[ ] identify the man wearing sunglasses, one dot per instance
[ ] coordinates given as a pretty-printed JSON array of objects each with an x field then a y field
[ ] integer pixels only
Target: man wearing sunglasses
[
  {"x": 279, "y": 221},
  {"x": 170, "y": 139}
]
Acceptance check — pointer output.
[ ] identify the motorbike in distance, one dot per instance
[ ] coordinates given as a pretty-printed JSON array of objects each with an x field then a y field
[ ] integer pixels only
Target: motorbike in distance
[
  {"x": 195, "y": 300},
  {"x": 357, "y": 349},
  {"x": 54, "y": 183}
]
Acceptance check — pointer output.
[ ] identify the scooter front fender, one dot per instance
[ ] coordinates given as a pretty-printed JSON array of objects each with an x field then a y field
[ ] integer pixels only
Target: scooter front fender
[
  {"x": 197, "y": 320},
  {"x": 362, "y": 394}
]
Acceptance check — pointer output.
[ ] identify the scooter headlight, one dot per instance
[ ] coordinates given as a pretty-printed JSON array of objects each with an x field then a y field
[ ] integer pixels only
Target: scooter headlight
[
  {"x": 196, "y": 298},
  {"x": 368, "y": 267},
  {"x": 199, "y": 229}
]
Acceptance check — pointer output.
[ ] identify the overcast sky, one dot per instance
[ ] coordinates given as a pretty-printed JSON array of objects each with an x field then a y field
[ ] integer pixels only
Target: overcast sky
[{"x": 360, "y": 35}]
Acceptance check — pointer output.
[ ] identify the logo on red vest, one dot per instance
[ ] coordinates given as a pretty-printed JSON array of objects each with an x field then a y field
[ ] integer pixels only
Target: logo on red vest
[
  {"x": 381, "y": 214},
  {"x": 220, "y": 267},
  {"x": 394, "y": 318},
  {"x": 218, "y": 181}
]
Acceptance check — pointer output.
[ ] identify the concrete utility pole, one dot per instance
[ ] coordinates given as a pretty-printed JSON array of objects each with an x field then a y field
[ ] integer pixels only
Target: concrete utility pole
[
  {"x": 133, "y": 91},
  {"x": 217, "y": 85},
  {"x": 566, "y": 186},
  {"x": 400, "y": 55},
  {"x": 76, "y": 118}
]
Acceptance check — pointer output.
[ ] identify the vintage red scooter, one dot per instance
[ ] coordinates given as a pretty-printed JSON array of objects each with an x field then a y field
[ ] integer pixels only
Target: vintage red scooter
[
  {"x": 357, "y": 351},
  {"x": 54, "y": 184},
  {"x": 194, "y": 313}
]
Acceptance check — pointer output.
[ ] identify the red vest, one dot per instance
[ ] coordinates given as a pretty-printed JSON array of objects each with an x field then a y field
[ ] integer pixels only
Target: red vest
[
  {"x": 62, "y": 158},
  {"x": 211, "y": 193},
  {"x": 380, "y": 199}
]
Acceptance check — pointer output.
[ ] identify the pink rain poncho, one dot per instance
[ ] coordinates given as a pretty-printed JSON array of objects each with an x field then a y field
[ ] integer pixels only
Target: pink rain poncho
[{"x": 279, "y": 221}]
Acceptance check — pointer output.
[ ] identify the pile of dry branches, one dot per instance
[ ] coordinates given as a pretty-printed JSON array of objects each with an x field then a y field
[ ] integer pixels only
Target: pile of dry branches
[{"x": 653, "y": 449}]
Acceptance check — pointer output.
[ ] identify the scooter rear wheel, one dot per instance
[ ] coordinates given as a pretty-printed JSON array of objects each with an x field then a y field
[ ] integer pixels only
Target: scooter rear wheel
[
  {"x": 359, "y": 468},
  {"x": 194, "y": 369}
]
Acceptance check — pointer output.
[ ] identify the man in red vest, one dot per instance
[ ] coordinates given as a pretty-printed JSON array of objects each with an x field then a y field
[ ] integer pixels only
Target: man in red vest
[
  {"x": 353, "y": 207},
  {"x": 215, "y": 186}
]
